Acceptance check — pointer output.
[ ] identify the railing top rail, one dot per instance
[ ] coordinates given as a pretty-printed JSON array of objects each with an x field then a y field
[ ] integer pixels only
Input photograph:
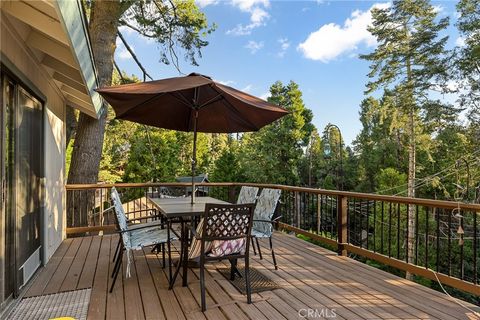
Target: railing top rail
[{"x": 358, "y": 195}]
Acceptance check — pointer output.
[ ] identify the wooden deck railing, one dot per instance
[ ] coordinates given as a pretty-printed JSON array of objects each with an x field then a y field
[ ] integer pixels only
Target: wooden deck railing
[{"x": 443, "y": 244}]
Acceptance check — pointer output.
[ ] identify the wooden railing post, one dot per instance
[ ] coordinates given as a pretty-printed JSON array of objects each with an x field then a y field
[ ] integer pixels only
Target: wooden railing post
[
  {"x": 232, "y": 194},
  {"x": 342, "y": 225}
]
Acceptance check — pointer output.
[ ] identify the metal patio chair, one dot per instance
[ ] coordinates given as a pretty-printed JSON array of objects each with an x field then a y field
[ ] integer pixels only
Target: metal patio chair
[
  {"x": 138, "y": 236},
  {"x": 228, "y": 229},
  {"x": 263, "y": 220}
]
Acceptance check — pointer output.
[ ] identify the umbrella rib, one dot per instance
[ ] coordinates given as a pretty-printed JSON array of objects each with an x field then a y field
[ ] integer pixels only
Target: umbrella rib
[
  {"x": 229, "y": 105},
  {"x": 213, "y": 100},
  {"x": 180, "y": 97},
  {"x": 119, "y": 116}
]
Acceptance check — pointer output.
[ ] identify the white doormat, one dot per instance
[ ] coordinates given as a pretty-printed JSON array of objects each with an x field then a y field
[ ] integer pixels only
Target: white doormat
[{"x": 66, "y": 304}]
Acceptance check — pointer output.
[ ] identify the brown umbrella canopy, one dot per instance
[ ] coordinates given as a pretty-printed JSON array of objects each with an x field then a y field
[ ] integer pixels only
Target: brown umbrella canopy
[
  {"x": 173, "y": 103},
  {"x": 193, "y": 103}
]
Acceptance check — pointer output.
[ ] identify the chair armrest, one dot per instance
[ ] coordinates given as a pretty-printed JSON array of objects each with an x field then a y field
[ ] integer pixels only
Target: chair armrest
[
  {"x": 264, "y": 221},
  {"x": 140, "y": 210},
  {"x": 146, "y": 217},
  {"x": 154, "y": 223},
  {"x": 139, "y": 227},
  {"x": 275, "y": 220}
]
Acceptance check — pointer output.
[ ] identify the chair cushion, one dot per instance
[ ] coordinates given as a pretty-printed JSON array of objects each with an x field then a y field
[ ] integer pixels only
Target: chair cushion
[
  {"x": 260, "y": 234},
  {"x": 247, "y": 195},
  {"x": 264, "y": 210},
  {"x": 222, "y": 248},
  {"x": 148, "y": 237},
  {"x": 196, "y": 245}
]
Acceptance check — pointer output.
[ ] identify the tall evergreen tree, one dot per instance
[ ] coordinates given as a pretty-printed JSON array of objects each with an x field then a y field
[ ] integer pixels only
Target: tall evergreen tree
[
  {"x": 273, "y": 154},
  {"x": 409, "y": 61},
  {"x": 468, "y": 57}
]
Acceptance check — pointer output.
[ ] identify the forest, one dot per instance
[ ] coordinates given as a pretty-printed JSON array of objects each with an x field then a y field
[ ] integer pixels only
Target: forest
[{"x": 412, "y": 141}]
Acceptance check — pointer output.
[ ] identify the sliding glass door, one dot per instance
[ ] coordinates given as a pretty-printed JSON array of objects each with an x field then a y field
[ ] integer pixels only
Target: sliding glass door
[{"x": 22, "y": 170}]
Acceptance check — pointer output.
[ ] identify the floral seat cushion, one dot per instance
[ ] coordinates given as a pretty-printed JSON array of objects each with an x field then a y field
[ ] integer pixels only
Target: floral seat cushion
[{"x": 221, "y": 248}]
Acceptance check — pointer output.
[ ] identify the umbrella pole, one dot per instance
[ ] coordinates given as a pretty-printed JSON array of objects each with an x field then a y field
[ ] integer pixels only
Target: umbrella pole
[{"x": 194, "y": 158}]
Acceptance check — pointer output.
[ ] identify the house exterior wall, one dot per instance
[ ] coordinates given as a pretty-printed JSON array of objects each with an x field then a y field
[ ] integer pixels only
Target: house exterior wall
[{"x": 20, "y": 61}]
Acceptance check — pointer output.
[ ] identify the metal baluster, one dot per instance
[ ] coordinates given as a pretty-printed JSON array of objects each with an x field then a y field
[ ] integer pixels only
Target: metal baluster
[
  {"x": 382, "y": 228},
  {"x": 368, "y": 218},
  {"x": 438, "y": 239},
  {"x": 416, "y": 235},
  {"x": 475, "y": 255},
  {"x": 427, "y": 218},
  {"x": 449, "y": 257},
  {"x": 398, "y": 231},
  {"x": 374, "y": 226},
  {"x": 390, "y": 231},
  {"x": 407, "y": 234},
  {"x": 462, "y": 262}
]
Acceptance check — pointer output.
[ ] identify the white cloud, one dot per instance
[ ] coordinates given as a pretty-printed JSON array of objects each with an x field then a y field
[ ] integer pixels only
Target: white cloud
[
  {"x": 127, "y": 30},
  {"x": 460, "y": 42},
  {"x": 265, "y": 96},
  {"x": 284, "y": 45},
  {"x": 332, "y": 40},
  {"x": 258, "y": 15},
  {"x": 254, "y": 46},
  {"x": 248, "y": 88},
  {"x": 122, "y": 52},
  {"x": 248, "y": 5},
  {"x": 438, "y": 9},
  {"x": 204, "y": 3},
  {"x": 225, "y": 83}
]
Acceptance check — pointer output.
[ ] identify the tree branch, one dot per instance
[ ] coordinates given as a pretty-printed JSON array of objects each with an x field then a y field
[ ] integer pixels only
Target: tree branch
[
  {"x": 119, "y": 72},
  {"x": 145, "y": 73}
]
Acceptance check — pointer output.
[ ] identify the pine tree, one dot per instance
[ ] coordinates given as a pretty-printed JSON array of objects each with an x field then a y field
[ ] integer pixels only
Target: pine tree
[
  {"x": 410, "y": 61},
  {"x": 272, "y": 155},
  {"x": 468, "y": 57}
]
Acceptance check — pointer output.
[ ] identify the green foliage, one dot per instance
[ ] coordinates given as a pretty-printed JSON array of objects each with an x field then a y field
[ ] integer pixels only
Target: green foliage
[
  {"x": 227, "y": 167},
  {"x": 468, "y": 56},
  {"x": 390, "y": 181},
  {"x": 273, "y": 154},
  {"x": 174, "y": 25}
]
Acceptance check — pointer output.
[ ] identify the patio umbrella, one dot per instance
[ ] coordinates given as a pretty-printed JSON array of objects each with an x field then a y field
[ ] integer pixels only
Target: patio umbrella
[{"x": 194, "y": 103}]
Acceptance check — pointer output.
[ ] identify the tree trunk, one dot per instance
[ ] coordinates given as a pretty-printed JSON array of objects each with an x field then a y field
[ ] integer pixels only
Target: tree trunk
[
  {"x": 411, "y": 191},
  {"x": 71, "y": 124},
  {"x": 411, "y": 173},
  {"x": 87, "y": 148}
]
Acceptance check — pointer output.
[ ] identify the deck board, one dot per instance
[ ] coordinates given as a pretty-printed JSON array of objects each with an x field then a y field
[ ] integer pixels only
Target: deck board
[
  {"x": 388, "y": 286},
  {"x": 310, "y": 277},
  {"x": 47, "y": 272}
]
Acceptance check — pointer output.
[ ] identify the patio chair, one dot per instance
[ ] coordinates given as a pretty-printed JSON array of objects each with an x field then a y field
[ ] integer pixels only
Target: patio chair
[
  {"x": 263, "y": 220},
  {"x": 247, "y": 195},
  {"x": 137, "y": 237},
  {"x": 156, "y": 220},
  {"x": 227, "y": 228}
]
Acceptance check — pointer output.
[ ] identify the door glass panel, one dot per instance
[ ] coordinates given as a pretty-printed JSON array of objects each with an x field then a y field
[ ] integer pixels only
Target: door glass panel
[
  {"x": 29, "y": 165},
  {"x": 8, "y": 163}
]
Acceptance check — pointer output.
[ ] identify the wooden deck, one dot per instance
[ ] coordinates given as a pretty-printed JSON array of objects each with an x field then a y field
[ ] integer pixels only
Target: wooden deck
[{"x": 310, "y": 278}]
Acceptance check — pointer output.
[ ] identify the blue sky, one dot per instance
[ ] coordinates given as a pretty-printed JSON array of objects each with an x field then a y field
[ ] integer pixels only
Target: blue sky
[{"x": 257, "y": 42}]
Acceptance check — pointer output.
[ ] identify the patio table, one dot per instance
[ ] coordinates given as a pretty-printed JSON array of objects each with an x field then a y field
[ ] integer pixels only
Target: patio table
[{"x": 182, "y": 210}]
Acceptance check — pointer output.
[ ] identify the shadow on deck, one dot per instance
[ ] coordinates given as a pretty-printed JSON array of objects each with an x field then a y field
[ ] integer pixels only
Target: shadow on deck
[{"x": 315, "y": 283}]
